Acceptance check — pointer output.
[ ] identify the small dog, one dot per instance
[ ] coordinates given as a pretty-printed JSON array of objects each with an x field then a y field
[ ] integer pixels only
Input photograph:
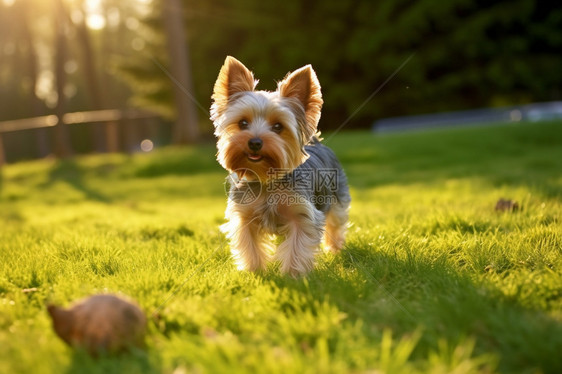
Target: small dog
[{"x": 286, "y": 182}]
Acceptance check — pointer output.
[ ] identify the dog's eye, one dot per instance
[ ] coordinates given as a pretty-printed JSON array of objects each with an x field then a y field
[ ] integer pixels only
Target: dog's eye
[
  {"x": 243, "y": 124},
  {"x": 277, "y": 127}
]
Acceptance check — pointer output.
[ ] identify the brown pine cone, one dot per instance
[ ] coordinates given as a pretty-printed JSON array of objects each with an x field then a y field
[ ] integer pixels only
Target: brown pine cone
[{"x": 100, "y": 323}]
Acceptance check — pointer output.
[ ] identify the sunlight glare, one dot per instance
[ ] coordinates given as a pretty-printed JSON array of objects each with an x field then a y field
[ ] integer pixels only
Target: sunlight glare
[
  {"x": 147, "y": 145},
  {"x": 132, "y": 23},
  {"x": 70, "y": 67},
  {"x": 93, "y": 5},
  {"x": 70, "y": 90},
  {"x": 95, "y": 21},
  {"x": 143, "y": 7},
  {"x": 77, "y": 16},
  {"x": 138, "y": 44},
  {"x": 113, "y": 17},
  {"x": 51, "y": 100},
  {"x": 45, "y": 84}
]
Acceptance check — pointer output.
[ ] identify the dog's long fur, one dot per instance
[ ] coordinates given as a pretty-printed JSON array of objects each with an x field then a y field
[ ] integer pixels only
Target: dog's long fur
[{"x": 298, "y": 188}]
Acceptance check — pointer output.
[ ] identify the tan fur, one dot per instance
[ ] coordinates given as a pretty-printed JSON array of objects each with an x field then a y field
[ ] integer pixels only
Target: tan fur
[
  {"x": 250, "y": 229},
  {"x": 250, "y": 248},
  {"x": 303, "y": 85},
  {"x": 334, "y": 236},
  {"x": 296, "y": 105},
  {"x": 302, "y": 231},
  {"x": 101, "y": 323},
  {"x": 231, "y": 153},
  {"x": 233, "y": 78}
]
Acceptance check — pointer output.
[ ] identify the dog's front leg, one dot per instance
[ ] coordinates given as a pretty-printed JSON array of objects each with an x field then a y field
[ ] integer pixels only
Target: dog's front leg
[
  {"x": 303, "y": 232},
  {"x": 248, "y": 243}
]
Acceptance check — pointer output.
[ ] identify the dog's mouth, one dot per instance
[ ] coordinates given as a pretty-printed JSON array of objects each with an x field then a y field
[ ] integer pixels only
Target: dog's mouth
[{"x": 254, "y": 157}]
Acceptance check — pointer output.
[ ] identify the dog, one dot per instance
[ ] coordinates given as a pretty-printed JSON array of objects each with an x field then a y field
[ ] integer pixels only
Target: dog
[{"x": 285, "y": 182}]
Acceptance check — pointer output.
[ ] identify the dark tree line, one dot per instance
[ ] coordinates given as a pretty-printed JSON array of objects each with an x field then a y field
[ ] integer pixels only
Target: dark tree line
[{"x": 467, "y": 53}]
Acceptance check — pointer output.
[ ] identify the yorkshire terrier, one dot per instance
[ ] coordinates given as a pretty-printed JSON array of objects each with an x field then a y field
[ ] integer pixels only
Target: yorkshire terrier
[{"x": 286, "y": 182}]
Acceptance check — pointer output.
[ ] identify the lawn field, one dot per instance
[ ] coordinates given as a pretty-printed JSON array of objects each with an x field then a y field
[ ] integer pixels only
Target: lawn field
[{"x": 432, "y": 278}]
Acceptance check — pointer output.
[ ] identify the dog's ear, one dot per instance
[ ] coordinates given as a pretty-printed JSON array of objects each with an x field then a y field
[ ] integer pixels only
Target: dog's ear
[
  {"x": 233, "y": 78},
  {"x": 303, "y": 85}
]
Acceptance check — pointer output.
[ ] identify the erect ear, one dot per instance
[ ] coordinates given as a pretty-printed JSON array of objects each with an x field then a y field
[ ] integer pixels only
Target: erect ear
[
  {"x": 233, "y": 78},
  {"x": 303, "y": 85}
]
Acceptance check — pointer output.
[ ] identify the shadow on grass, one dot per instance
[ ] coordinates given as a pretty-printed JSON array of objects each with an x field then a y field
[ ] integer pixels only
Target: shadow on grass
[
  {"x": 72, "y": 173},
  {"x": 170, "y": 161},
  {"x": 131, "y": 362},
  {"x": 179, "y": 161},
  {"x": 405, "y": 295}
]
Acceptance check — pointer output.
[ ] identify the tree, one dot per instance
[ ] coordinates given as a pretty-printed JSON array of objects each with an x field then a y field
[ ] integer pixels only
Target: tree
[
  {"x": 103, "y": 140},
  {"x": 36, "y": 106},
  {"x": 61, "y": 137},
  {"x": 186, "y": 129},
  {"x": 2, "y": 159},
  {"x": 467, "y": 53}
]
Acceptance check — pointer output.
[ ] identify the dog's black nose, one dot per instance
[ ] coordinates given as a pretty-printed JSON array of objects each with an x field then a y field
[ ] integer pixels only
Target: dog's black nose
[{"x": 255, "y": 144}]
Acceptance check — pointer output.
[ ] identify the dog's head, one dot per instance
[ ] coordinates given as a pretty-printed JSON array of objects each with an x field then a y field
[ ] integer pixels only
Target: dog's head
[{"x": 261, "y": 130}]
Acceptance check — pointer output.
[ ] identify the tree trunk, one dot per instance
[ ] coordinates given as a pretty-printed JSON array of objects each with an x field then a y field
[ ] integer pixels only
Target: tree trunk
[
  {"x": 62, "y": 146},
  {"x": 186, "y": 128},
  {"x": 105, "y": 138},
  {"x": 42, "y": 136},
  {"x": 2, "y": 157}
]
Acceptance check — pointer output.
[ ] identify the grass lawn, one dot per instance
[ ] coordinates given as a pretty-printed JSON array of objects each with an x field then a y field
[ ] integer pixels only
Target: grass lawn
[{"x": 432, "y": 279}]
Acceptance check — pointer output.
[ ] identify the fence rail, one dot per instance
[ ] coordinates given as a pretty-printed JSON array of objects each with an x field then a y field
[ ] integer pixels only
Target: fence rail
[{"x": 97, "y": 116}]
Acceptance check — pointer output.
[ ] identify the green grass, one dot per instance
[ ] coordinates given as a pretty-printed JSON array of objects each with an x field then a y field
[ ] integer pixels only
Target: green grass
[{"x": 432, "y": 278}]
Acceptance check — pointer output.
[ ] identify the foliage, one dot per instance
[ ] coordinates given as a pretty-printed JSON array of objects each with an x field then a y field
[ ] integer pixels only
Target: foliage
[
  {"x": 466, "y": 53},
  {"x": 432, "y": 278},
  {"x": 27, "y": 29}
]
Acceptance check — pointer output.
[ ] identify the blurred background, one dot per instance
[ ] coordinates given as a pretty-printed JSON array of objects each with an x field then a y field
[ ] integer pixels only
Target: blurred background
[{"x": 80, "y": 76}]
